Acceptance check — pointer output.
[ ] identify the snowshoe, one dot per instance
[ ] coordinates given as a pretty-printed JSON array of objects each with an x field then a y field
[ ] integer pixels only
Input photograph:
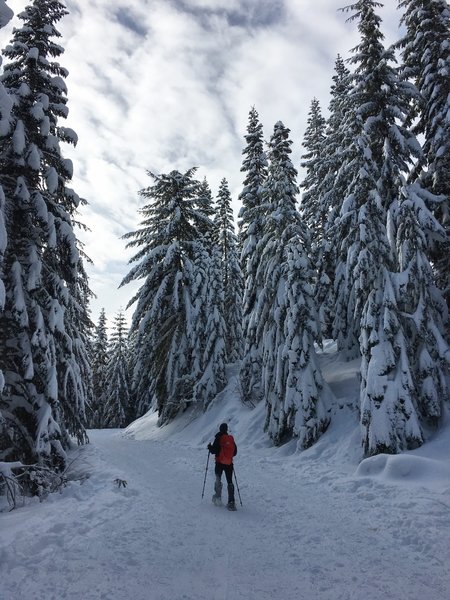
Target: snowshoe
[
  {"x": 231, "y": 506},
  {"x": 217, "y": 501}
]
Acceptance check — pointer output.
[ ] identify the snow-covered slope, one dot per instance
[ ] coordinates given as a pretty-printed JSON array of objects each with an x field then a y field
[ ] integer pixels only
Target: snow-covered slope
[{"x": 316, "y": 525}]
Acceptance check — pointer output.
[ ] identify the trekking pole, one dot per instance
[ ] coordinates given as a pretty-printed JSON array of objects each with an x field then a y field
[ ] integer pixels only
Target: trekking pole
[
  {"x": 237, "y": 486},
  {"x": 206, "y": 472}
]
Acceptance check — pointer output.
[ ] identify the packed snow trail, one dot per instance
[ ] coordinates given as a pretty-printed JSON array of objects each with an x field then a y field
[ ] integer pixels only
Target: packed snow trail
[{"x": 308, "y": 530}]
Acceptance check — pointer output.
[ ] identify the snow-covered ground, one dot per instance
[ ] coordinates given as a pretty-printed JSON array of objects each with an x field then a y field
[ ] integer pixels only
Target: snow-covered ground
[{"x": 317, "y": 525}]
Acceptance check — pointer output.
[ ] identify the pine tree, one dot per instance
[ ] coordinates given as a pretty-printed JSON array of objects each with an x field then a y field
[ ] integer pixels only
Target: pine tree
[
  {"x": 380, "y": 148},
  {"x": 226, "y": 242},
  {"x": 426, "y": 62},
  {"x": 41, "y": 258},
  {"x": 209, "y": 356},
  {"x": 389, "y": 418},
  {"x": 384, "y": 220},
  {"x": 310, "y": 206},
  {"x": 79, "y": 330},
  {"x": 117, "y": 405},
  {"x": 360, "y": 171},
  {"x": 164, "y": 319},
  {"x": 422, "y": 305},
  {"x": 208, "y": 340},
  {"x": 5, "y": 111},
  {"x": 251, "y": 224},
  {"x": 205, "y": 201},
  {"x": 291, "y": 378},
  {"x": 330, "y": 190},
  {"x": 100, "y": 356}
]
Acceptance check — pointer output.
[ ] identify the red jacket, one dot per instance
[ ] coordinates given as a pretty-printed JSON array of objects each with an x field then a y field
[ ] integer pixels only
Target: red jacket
[{"x": 224, "y": 447}]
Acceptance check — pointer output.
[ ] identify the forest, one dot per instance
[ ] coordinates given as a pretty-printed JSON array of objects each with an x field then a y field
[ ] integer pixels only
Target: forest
[{"x": 356, "y": 251}]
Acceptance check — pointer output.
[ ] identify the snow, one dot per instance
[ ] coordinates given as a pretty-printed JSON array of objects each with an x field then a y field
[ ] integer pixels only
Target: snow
[
  {"x": 5, "y": 13},
  {"x": 315, "y": 525}
]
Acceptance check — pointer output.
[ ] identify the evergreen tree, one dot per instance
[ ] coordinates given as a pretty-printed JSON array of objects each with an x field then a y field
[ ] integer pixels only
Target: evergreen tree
[
  {"x": 5, "y": 110},
  {"x": 208, "y": 370},
  {"x": 380, "y": 149},
  {"x": 291, "y": 378},
  {"x": 310, "y": 207},
  {"x": 330, "y": 191},
  {"x": 100, "y": 356},
  {"x": 389, "y": 417},
  {"x": 226, "y": 242},
  {"x": 383, "y": 221},
  {"x": 422, "y": 305},
  {"x": 311, "y": 201},
  {"x": 426, "y": 62},
  {"x": 209, "y": 357},
  {"x": 164, "y": 319},
  {"x": 44, "y": 401},
  {"x": 80, "y": 329},
  {"x": 354, "y": 277},
  {"x": 205, "y": 201},
  {"x": 251, "y": 224},
  {"x": 118, "y": 396}
]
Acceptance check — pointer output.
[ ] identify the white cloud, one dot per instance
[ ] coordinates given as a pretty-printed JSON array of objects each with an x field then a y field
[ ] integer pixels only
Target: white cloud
[{"x": 163, "y": 84}]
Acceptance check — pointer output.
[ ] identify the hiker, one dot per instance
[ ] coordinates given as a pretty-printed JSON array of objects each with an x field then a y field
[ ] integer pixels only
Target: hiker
[{"x": 224, "y": 447}]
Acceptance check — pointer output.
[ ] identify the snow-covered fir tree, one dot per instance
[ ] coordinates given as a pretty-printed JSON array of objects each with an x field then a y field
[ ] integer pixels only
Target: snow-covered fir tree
[
  {"x": 426, "y": 62},
  {"x": 43, "y": 400},
  {"x": 164, "y": 319},
  {"x": 118, "y": 396},
  {"x": 226, "y": 242},
  {"x": 251, "y": 224},
  {"x": 5, "y": 110},
  {"x": 360, "y": 172},
  {"x": 330, "y": 191},
  {"x": 389, "y": 418},
  {"x": 80, "y": 328},
  {"x": 311, "y": 209},
  {"x": 208, "y": 369},
  {"x": 205, "y": 200},
  {"x": 422, "y": 305},
  {"x": 382, "y": 221},
  {"x": 100, "y": 357},
  {"x": 286, "y": 316},
  {"x": 310, "y": 206}
]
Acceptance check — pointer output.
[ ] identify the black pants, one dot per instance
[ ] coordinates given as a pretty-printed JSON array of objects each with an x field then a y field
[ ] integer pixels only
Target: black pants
[{"x": 228, "y": 469}]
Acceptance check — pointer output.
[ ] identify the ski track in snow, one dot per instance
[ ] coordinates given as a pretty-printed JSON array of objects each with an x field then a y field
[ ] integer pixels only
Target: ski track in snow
[{"x": 308, "y": 530}]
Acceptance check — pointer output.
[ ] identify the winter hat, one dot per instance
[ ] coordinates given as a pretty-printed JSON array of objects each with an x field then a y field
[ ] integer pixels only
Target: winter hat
[{"x": 223, "y": 428}]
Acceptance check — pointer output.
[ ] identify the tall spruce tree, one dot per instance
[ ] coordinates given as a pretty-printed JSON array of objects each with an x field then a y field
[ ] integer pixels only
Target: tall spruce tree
[
  {"x": 208, "y": 369},
  {"x": 426, "y": 62},
  {"x": 100, "y": 356},
  {"x": 43, "y": 400},
  {"x": 117, "y": 401},
  {"x": 422, "y": 305},
  {"x": 310, "y": 206},
  {"x": 330, "y": 190},
  {"x": 164, "y": 319},
  {"x": 5, "y": 110},
  {"x": 291, "y": 378},
  {"x": 204, "y": 200},
  {"x": 209, "y": 357},
  {"x": 226, "y": 242},
  {"x": 251, "y": 225},
  {"x": 360, "y": 172},
  {"x": 382, "y": 220}
]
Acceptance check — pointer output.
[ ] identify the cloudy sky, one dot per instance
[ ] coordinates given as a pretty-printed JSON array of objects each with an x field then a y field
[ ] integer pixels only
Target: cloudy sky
[{"x": 167, "y": 84}]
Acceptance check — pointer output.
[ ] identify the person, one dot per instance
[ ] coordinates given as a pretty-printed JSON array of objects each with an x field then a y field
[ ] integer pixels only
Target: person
[{"x": 225, "y": 449}]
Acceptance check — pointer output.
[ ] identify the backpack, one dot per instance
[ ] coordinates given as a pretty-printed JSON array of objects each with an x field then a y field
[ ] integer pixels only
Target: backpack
[{"x": 227, "y": 449}]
